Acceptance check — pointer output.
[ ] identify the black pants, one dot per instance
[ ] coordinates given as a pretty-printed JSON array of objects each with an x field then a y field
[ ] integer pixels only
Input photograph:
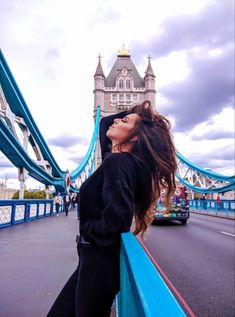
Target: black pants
[
  {"x": 66, "y": 207},
  {"x": 91, "y": 289}
]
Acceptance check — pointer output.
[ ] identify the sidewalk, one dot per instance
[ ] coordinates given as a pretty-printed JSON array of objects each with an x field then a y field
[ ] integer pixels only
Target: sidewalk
[{"x": 36, "y": 259}]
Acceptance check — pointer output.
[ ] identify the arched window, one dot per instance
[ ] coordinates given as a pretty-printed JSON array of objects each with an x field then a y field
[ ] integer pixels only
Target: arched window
[
  {"x": 121, "y": 85},
  {"x": 128, "y": 84}
]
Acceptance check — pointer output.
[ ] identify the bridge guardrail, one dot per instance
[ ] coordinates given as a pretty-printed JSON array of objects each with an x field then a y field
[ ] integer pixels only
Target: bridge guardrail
[
  {"x": 17, "y": 211},
  {"x": 210, "y": 205},
  {"x": 143, "y": 292}
]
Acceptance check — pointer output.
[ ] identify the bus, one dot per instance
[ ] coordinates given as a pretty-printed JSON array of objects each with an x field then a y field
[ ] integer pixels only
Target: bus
[{"x": 180, "y": 207}]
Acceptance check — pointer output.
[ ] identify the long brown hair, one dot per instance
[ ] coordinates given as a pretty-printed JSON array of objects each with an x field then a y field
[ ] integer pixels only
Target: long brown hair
[{"x": 155, "y": 152}]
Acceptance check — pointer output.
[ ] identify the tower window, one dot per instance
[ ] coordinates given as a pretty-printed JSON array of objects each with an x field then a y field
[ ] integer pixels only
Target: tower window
[
  {"x": 135, "y": 98},
  {"x": 128, "y": 84},
  {"x": 121, "y": 84},
  {"x": 121, "y": 97},
  {"x": 114, "y": 97}
]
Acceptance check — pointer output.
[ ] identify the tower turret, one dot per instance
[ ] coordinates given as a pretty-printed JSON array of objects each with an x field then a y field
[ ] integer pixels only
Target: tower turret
[
  {"x": 99, "y": 80},
  {"x": 149, "y": 80}
]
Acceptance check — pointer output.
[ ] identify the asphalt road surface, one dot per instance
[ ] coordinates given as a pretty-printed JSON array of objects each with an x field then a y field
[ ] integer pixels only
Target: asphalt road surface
[{"x": 198, "y": 258}]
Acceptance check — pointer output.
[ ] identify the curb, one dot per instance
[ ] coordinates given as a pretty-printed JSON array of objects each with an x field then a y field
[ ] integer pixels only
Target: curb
[{"x": 211, "y": 215}]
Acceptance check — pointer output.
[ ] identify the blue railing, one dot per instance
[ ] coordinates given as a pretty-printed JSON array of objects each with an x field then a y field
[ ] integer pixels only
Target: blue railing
[
  {"x": 17, "y": 211},
  {"x": 90, "y": 152},
  {"x": 143, "y": 292},
  {"x": 210, "y": 205}
]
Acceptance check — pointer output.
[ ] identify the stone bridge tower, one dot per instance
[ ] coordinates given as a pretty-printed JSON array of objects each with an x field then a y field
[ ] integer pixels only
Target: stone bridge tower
[{"x": 122, "y": 88}]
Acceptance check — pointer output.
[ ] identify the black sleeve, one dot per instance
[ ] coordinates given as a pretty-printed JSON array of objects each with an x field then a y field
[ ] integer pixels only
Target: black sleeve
[
  {"x": 118, "y": 198},
  {"x": 105, "y": 123}
]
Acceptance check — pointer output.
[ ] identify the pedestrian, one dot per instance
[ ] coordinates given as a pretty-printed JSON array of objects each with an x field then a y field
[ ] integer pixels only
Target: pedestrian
[
  {"x": 119, "y": 196},
  {"x": 66, "y": 203},
  {"x": 58, "y": 202},
  {"x": 218, "y": 201},
  {"x": 74, "y": 200},
  {"x": 204, "y": 203}
]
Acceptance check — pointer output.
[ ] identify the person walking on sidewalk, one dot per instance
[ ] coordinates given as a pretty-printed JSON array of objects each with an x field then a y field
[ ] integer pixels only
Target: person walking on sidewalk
[{"x": 67, "y": 201}]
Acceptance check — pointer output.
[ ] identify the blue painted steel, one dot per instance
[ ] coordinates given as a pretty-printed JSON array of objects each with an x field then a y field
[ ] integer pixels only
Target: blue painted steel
[
  {"x": 20, "y": 108},
  {"x": 143, "y": 292},
  {"x": 26, "y": 203},
  {"x": 206, "y": 190},
  {"x": 211, "y": 174},
  {"x": 10, "y": 146},
  {"x": 75, "y": 174}
]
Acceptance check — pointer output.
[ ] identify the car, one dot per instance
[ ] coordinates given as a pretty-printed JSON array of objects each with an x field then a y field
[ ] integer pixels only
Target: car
[{"x": 180, "y": 208}]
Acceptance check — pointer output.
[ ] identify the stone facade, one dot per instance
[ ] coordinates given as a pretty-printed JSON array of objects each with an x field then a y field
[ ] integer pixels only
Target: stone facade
[{"x": 122, "y": 88}]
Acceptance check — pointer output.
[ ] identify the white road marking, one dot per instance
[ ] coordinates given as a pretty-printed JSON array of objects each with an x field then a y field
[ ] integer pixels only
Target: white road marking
[{"x": 229, "y": 234}]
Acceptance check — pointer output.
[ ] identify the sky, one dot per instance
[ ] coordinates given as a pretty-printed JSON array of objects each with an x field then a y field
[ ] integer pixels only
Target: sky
[{"x": 52, "y": 49}]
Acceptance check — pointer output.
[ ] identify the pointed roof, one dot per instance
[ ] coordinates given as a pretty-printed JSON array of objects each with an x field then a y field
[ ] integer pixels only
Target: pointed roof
[
  {"x": 123, "y": 61},
  {"x": 149, "y": 71},
  {"x": 99, "y": 69}
]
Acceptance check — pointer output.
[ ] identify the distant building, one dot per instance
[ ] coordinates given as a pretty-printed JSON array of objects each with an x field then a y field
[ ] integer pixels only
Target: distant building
[
  {"x": 122, "y": 88},
  {"x": 6, "y": 193}
]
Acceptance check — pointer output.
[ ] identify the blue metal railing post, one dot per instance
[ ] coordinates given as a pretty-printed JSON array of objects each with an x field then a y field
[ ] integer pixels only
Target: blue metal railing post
[{"x": 143, "y": 292}]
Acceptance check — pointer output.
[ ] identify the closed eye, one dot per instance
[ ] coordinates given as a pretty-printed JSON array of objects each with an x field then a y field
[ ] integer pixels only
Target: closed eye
[{"x": 125, "y": 119}]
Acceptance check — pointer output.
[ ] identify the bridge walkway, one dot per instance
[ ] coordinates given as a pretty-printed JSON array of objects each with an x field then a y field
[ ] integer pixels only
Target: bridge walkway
[{"x": 36, "y": 259}]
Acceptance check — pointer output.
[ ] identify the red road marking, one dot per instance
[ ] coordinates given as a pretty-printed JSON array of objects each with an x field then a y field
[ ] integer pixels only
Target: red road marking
[{"x": 177, "y": 294}]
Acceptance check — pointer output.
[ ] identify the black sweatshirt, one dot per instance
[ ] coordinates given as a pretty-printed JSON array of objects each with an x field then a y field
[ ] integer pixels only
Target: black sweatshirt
[{"x": 107, "y": 197}]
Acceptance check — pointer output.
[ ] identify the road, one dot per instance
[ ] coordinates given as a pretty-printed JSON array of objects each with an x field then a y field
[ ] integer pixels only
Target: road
[{"x": 198, "y": 258}]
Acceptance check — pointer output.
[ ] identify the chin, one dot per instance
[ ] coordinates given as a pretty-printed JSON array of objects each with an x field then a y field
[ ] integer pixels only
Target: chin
[{"x": 109, "y": 134}]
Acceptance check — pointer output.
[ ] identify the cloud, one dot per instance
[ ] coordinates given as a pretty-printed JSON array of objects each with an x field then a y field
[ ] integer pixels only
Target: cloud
[
  {"x": 9, "y": 175},
  {"x": 222, "y": 153},
  {"x": 208, "y": 89},
  {"x": 4, "y": 162},
  {"x": 207, "y": 40},
  {"x": 76, "y": 159},
  {"x": 67, "y": 141},
  {"x": 220, "y": 160},
  {"x": 214, "y": 135},
  {"x": 212, "y": 27}
]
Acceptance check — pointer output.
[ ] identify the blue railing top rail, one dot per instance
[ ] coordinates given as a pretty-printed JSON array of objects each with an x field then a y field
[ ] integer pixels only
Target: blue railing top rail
[
  {"x": 156, "y": 298},
  {"x": 230, "y": 179},
  {"x": 5, "y": 202},
  {"x": 74, "y": 175},
  {"x": 20, "y": 108}
]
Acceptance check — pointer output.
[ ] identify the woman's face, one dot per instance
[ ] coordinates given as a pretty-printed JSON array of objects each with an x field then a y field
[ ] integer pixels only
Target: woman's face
[{"x": 121, "y": 128}]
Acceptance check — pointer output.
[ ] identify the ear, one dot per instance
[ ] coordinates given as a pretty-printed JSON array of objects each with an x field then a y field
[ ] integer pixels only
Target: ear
[{"x": 134, "y": 139}]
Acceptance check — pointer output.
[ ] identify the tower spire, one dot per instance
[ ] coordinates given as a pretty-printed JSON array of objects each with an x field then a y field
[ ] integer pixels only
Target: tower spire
[
  {"x": 149, "y": 71},
  {"x": 99, "y": 69}
]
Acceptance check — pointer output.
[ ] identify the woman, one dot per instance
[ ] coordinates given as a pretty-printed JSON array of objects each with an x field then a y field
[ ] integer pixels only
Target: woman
[{"x": 119, "y": 194}]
